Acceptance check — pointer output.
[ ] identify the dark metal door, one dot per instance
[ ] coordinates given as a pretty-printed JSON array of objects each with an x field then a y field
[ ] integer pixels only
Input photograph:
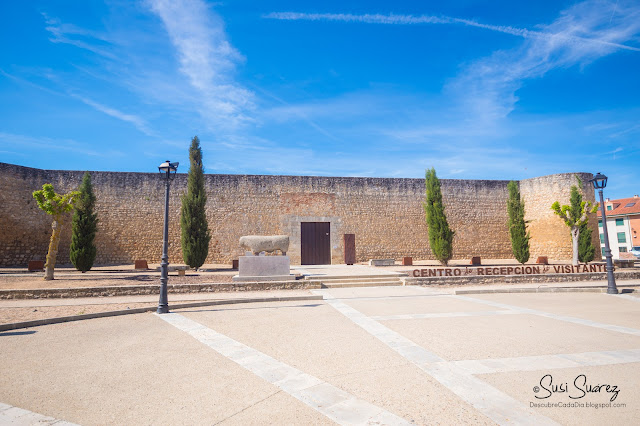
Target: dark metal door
[
  {"x": 315, "y": 243},
  {"x": 349, "y": 249}
]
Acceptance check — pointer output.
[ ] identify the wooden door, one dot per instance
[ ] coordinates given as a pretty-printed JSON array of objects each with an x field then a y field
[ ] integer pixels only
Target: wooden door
[
  {"x": 315, "y": 243},
  {"x": 349, "y": 249}
]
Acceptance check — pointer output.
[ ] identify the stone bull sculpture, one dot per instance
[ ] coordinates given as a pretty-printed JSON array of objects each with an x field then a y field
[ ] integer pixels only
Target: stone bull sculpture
[{"x": 267, "y": 243}]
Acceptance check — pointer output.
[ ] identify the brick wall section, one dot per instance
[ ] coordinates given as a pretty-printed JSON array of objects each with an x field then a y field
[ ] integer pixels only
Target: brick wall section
[
  {"x": 386, "y": 215},
  {"x": 549, "y": 234}
]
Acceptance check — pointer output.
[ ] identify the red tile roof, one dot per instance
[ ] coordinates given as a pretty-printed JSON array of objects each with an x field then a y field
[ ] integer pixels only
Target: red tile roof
[{"x": 619, "y": 207}]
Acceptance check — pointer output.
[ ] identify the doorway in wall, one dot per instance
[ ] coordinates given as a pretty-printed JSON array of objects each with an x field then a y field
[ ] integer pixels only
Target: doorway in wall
[{"x": 315, "y": 243}]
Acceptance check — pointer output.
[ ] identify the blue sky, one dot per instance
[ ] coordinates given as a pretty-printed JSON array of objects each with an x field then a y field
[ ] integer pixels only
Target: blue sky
[{"x": 476, "y": 89}]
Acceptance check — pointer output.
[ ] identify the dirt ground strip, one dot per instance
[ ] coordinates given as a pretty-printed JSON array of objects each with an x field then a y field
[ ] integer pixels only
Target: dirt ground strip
[
  {"x": 66, "y": 278},
  {"x": 109, "y": 276},
  {"x": 14, "y": 315}
]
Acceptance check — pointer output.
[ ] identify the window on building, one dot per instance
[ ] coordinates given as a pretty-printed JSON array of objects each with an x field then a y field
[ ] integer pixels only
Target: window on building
[
  {"x": 622, "y": 249},
  {"x": 601, "y": 238},
  {"x": 622, "y": 237},
  {"x": 600, "y": 223},
  {"x": 619, "y": 222},
  {"x": 609, "y": 207},
  {"x": 602, "y": 249},
  {"x": 630, "y": 204}
]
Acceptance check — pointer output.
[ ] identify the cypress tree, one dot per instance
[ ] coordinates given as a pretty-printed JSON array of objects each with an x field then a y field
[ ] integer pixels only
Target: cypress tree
[
  {"x": 193, "y": 220},
  {"x": 84, "y": 225},
  {"x": 575, "y": 200},
  {"x": 440, "y": 235},
  {"x": 517, "y": 225},
  {"x": 586, "y": 250}
]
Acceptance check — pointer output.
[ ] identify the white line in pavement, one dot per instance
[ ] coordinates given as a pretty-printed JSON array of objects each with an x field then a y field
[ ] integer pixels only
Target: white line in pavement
[
  {"x": 399, "y": 343},
  {"x": 336, "y": 404},
  {"x": 10, "y": 415},
  {"x": 548, "y": 362},
  {"x": 565, "y": 318},
  {"x": 442, "y": 315},
  {"x": 625, "y": 296},
  {"x": 491, "y": 402}
]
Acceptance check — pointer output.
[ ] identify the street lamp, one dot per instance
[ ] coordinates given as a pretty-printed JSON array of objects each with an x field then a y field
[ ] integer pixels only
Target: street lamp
[
  {"x": 599, "y": 181},
  {"x": 168, "y": 172}
]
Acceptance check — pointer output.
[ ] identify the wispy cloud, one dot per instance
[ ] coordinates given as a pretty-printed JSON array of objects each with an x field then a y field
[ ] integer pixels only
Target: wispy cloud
[
  {"x": 287, "y": 110},
  {"x": 473, "y": 111},
  {"x": 476, "y": 102},
  {"x": 77, "y": 36},
  {"x": 206, "y": 58},
  {"x": 395, "y": 19},
  {"x": 138, "y": 122},
  {"x": 487, "y": 88},
  {"x": 132, "y": 59},
  {"x": 53, "y": 144}
]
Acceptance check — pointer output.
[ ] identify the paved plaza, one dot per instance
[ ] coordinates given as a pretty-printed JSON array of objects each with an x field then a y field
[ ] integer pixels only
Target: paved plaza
[{"x": 373, "y": 355}]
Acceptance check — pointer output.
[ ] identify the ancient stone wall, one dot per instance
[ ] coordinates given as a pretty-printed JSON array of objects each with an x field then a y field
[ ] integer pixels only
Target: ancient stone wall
[
  {"x": 549, "y": 234},
  {"x": 386, "y": 215}
]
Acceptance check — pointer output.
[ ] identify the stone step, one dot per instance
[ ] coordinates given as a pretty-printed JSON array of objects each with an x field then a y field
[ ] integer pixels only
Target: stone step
[
  {"x": 359, "y": 281},
  {"x": 330, "y": 284},
  {"x": 363, "y": 281},
  {"x": 349, "y": 278}
]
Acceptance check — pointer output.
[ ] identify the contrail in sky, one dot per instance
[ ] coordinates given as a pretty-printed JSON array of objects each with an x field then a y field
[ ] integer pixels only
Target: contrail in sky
[{"x": 393, "y": 19}]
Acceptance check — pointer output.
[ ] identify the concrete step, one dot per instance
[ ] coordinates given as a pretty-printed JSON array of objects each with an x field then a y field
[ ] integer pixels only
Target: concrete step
[
  {"x": 361, "y": 284},
  {"x": 360, "y": 281},
  {"x": 350, "y": 278}
]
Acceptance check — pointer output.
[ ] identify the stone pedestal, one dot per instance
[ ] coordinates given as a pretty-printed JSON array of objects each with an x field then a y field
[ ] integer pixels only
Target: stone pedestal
[{"x": 264, "y": 268}]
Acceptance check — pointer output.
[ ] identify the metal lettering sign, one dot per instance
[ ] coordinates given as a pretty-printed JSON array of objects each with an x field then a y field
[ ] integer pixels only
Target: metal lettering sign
[{"x": 507, "y": 270}]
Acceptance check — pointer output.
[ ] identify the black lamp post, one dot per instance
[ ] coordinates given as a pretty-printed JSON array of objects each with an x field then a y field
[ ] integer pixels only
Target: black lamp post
[
  {"x": 599, "y": 182},
  {"x": 168, "y": 172}
]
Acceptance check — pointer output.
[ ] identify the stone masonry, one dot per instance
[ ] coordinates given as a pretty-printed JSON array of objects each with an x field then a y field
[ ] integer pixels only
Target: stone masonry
[
  {"x": 549, "y": 234},
  {"x": 386, "y": 215}
]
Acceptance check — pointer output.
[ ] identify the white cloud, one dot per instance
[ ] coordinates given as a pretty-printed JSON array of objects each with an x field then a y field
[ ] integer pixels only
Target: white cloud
[
  {"x": 207, "y": 59},
  {"x": 487, "y": 88},
  {"x": 468, "y": 129},
  {"x": 395, "y": 19},
  {"x": 53, "y": 144},
  {"x": 79, "y": 37},
  {"x": 138, "y": 122},
  {"x": 475, "y": 104}
]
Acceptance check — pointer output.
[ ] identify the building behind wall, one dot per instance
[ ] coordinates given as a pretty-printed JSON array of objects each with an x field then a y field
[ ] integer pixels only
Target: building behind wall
[
  {"x": 386, "y": 215},
  {"x": 623, "y": 225}
]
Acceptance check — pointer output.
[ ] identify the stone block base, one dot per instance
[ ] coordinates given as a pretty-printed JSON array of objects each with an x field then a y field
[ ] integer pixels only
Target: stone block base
[
  {"x": 238, "y": 278},
  {"x": 260, "y": 268}
]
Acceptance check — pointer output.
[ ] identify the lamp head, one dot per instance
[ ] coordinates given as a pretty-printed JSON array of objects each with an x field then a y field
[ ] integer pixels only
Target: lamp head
[
  {"x": 599, "y": 181},
  {"x": 168, "y": 169}
]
